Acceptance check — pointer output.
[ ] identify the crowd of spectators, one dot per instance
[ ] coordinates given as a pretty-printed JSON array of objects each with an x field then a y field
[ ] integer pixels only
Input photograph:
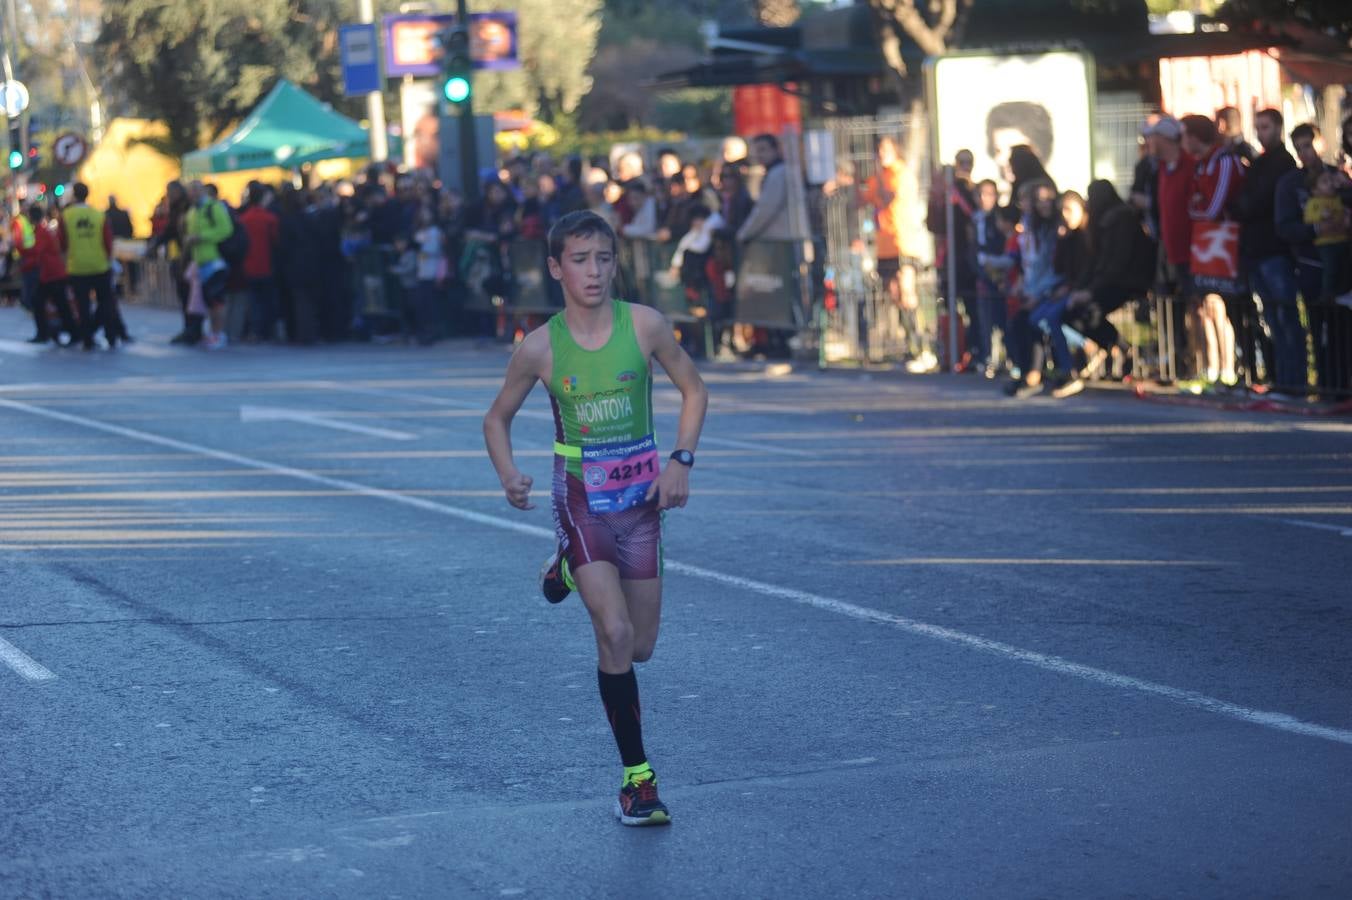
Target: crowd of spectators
[
  {"x": 390, "y": 255},
  {"x": 1244, "y": 249},
  {"x": 1232, "y": 240}
]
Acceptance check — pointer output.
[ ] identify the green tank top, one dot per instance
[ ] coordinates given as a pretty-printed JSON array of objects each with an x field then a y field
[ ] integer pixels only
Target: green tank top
[{"x": 599, "y": 396}]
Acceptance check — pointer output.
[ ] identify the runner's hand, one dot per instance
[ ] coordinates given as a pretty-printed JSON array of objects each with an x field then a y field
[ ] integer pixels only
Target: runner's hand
[
  {"x": 517, "y": 487},
  {"x": 672, "y": 487}
]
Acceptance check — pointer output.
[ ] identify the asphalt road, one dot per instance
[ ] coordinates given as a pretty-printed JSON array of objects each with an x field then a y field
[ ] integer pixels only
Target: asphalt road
[{"x": 270, "y": 630}]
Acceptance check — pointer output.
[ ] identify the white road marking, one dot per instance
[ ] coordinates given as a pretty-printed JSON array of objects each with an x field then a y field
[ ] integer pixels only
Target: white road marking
[
  {"x": 758, "y": 447},
  {"x": 549, "y": 417},
  {"x": 22, "y": 663},
  {"x": 275, "y": 414},
  {"x": 1343, "y": 530},
  {"x": 23, "y": 348},
  {"x": 429, "y": 401},
  {"x": 1267, "y": 719}
]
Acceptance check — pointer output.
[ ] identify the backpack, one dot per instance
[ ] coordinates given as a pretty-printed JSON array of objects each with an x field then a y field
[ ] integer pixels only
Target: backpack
[{"x": 235, "y": 246}]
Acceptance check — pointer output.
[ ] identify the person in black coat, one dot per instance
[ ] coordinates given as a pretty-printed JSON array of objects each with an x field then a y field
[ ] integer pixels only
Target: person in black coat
[
  {"x": 1268, "y": 261},
  {"x": 1121, "y": 267},
  {"x": 300, "y": 266}
]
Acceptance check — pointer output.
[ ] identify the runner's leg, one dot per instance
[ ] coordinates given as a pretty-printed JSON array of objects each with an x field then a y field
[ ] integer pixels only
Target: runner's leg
[
  {"x": 644, "y": 599},
  {"x": 599, "y": 585},
  {"x": 602, "y": 594}
]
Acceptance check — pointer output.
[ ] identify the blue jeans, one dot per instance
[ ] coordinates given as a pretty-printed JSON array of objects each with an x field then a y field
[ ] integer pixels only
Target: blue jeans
[
  {"x": 1048, "y": 315},
  {"x": 1273, "y": 278},
  {"x": 992, "y": 316},
  {"x": 28, "y": 288}
]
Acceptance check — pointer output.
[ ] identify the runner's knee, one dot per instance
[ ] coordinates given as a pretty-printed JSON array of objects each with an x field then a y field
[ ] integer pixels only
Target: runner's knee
[{"x": 617, "y": 634}]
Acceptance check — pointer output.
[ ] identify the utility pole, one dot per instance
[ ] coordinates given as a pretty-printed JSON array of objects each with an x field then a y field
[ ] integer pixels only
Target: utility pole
[
  {"x": 375, "y": 101},
  {"x": 469, "y": 157}
]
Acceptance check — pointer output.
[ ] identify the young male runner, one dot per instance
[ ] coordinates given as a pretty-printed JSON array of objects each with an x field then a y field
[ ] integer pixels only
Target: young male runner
[{"x": 609, "y": 483}]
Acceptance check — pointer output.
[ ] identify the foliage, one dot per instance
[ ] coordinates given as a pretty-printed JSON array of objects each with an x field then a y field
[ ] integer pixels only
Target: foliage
[
  {"x": 651, "y": 21},
  {"x": 557, "y": 42},
  {"x": 637, "y": 42},
  {"x": 618, "y": 98},
  {"x": 1325, "y": 15},
  {"x": 705, "y": 111},
  {"x": 563, "y": 138},
  {"x": 201, "y": 67}
]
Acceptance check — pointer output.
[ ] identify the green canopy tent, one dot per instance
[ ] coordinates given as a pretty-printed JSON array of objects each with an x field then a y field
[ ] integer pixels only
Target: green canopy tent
[{"x": 287, "y": 128}]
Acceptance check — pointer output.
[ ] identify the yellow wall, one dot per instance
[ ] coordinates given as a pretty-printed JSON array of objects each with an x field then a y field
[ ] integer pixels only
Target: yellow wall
[{"x": 133, "y": 172}]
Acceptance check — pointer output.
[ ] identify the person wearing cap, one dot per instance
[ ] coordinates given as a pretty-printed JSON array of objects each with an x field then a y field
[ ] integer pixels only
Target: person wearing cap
[
  {"x": 1173, "y": 191},
  {"x": 1267, "y": 258}
]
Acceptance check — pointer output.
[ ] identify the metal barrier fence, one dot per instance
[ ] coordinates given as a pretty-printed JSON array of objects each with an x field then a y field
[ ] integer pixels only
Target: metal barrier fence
[{"x": 145, "y": 280}]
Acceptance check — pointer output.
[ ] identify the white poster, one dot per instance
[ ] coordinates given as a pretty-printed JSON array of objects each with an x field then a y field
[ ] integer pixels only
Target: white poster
[
  {"x": 418, "y": 116},
  {"x": 991, "y": 104}
]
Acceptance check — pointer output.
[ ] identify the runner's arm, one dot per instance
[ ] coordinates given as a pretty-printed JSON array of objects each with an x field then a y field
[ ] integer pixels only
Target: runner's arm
[
  {"x": 673, "y": 485},
  {"x": 522, "y": 373}
]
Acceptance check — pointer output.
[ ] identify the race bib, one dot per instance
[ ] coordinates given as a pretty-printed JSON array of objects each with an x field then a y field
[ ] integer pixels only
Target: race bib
[{"x": 617, "y": 476}]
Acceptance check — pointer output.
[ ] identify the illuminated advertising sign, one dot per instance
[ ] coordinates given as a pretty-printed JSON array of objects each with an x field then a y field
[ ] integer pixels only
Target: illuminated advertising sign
[{"x": 411, "y": 42}]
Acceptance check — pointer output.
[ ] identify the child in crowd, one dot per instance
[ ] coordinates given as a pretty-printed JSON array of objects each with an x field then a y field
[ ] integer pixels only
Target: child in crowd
[
  {"x": 1325, "y": 209},
  {"x": 431, "y": 269},
  {"x": 993, "y": 264}
]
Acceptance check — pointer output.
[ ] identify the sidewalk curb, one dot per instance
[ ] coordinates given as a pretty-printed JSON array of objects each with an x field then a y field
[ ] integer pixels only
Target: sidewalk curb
[{"x": 1244, "y": 404}]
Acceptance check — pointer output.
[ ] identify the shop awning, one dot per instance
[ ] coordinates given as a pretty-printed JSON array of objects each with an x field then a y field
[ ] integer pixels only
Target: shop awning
[{"x": 287, "y": 128}]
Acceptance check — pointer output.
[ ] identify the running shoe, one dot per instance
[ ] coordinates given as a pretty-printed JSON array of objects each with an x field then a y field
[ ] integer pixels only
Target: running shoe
[
  {"x": 1068, "y": 387},
  {"x": 639, "y": 805},
  {"x": 556, "y": 582}
]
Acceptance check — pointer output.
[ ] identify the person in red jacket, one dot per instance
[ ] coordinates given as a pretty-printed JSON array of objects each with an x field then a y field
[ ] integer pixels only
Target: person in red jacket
[
  {"x": 1218, "y": 177},
  {"x": 1165, "y": 136},
  {"x": 23, "y": 235},
  {"x": 264, "y": 230},
  {"x": 49, "y": 246}
]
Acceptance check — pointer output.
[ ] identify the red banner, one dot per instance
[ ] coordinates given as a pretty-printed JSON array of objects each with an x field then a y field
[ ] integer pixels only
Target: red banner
[{"x": 765, "y": 109}]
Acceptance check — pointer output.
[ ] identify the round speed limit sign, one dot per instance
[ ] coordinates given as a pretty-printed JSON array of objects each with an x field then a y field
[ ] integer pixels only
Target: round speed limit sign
[{"x": 69, "y": 149}]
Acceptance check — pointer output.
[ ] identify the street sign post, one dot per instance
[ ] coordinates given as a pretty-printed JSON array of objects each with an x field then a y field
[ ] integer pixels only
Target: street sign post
[
  {"x": 360, "y": 59},
  {"x": 69, "y": 149},
  {"x": 13, "y": 98}
]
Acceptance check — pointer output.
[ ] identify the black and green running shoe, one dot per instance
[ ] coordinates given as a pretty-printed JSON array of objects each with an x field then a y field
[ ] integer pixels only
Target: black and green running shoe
[
  {"x": 556, "y": 582},
  {"x": 639, "y": 804}
]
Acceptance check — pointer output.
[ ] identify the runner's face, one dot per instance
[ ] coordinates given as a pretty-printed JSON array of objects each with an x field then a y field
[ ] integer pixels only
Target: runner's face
[{"x": 585, "y": 269}]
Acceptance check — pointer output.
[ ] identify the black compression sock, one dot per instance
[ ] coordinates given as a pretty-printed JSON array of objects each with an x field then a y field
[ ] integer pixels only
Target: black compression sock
[{"x": 619, "y": 693}]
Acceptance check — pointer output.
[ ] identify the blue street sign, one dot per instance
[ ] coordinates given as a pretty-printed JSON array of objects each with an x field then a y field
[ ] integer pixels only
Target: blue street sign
[{"x": 361, "y": 59}]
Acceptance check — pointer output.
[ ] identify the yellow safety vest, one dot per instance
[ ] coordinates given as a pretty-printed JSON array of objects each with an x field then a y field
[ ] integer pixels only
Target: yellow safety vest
[
  {"x": 84, "y": 231},
  {"x": 30, "y": 237}
]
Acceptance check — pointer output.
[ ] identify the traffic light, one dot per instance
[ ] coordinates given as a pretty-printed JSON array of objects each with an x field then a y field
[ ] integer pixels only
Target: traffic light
[
  {"x": 59, "y": 190},
  {"x": 456, "y": 66},
  {"x": 16, "y": 159}
]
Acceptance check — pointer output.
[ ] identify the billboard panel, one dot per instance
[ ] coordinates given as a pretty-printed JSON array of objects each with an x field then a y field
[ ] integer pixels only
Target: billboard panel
[
  {"x": 989, "y": 104},
  {"x": 411, "y": 46}
]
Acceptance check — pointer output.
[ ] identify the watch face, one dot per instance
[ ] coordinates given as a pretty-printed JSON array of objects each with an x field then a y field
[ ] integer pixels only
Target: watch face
[{"x": 684, "y": 457}]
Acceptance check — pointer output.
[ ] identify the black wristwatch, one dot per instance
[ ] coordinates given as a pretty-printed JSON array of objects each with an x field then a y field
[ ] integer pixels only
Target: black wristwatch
[{"x": 684, "y": 457}]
